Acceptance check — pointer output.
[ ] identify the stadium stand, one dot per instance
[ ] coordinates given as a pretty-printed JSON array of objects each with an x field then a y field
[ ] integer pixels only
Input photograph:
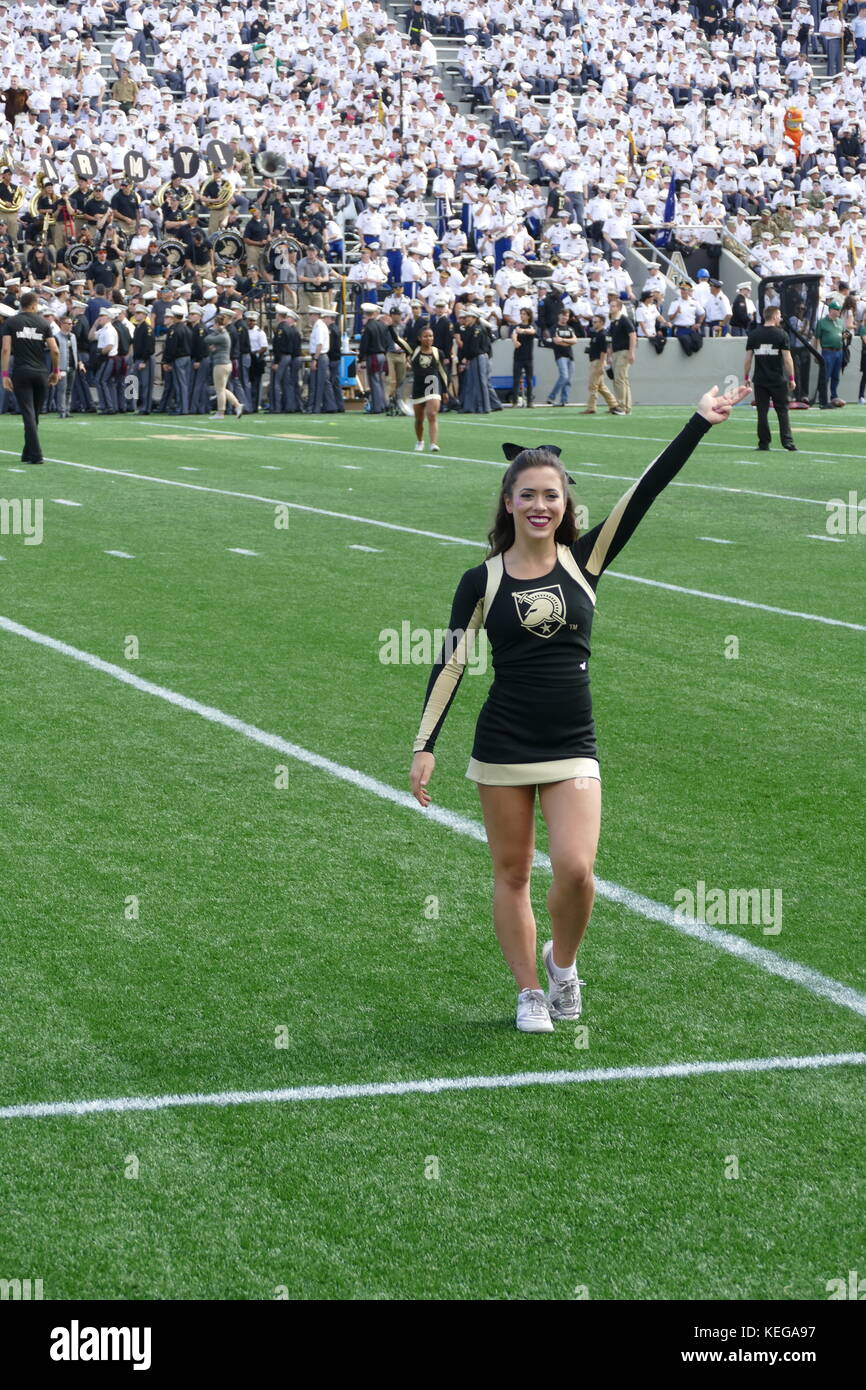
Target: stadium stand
[{"x": 427, "y": 157}]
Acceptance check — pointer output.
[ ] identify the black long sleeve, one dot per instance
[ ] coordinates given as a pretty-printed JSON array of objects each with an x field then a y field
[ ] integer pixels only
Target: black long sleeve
[
  {"x": 595, "y": 550},
  {"x": 450, "y": 664}
]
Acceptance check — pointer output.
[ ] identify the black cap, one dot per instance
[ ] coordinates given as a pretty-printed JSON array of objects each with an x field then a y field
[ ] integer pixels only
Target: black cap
[{"x": 717, "y": 284}]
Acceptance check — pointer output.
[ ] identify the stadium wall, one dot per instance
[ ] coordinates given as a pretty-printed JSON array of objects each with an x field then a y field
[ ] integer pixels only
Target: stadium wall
[{"x": 667, "y": 379}]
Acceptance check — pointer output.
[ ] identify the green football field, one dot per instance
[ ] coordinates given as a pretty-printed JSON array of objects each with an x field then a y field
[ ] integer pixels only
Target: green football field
[{"x": 226, "y": 925}]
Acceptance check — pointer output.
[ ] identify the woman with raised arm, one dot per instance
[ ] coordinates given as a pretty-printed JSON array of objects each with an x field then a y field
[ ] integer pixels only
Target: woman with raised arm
[{"x": 535, "y": 596}]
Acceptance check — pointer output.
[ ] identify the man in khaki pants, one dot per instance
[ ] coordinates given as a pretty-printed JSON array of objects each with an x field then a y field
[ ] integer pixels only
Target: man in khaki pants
[
  {"x": 597, "y": 351},
  {"x": 623, "y": 345}
]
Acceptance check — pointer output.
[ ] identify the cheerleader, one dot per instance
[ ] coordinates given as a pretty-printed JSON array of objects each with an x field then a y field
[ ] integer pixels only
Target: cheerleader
[
  {"x": 429, "y": 385},
  {"x": 535, "y": 596}
]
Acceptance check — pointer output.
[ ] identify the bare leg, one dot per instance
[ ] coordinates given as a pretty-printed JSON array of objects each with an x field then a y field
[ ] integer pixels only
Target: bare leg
[
  {"x": 572, "y": 811},
  {"x": 419, "y": 422},
  {"x": 509, "y": 819},
  {"x": 432, "y": 412}
]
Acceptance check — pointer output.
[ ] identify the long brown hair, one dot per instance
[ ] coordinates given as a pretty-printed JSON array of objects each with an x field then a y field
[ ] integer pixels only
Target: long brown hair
[{"x": 501, "y": 534}]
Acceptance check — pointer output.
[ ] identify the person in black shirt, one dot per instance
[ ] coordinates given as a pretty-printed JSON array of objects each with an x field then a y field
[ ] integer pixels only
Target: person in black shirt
[
  {"x": 372, "y": 354},
  {"x": 415, "y": 23},
  {"x": 286, "y": 350},
  {"x": 78, "y": 202},
  {"x": 176, "y": 362},
  {"x": 174, "y": 223},
  {"x": 335, "y": 357},
  {"x": 101, "y": 272},
  {"x": 199, "y": 396},
  {"x": 26, "y": 336},
  {"x": 769, "y": 349},
  {"x": 199, "y": 256},
  {"x": 562, "y": 341},
  {"x": 742, "y": 318},
  {"x": 549, "y": 310},
  {"x": 153, "y": 265},
  {"x": 39, "y": 264},
  {"x": 81, "y": 399},
  {"x": 623, "y": 345},
  {"x": 523, "y": 339},
  {"x": 97, "y": 213},
  {"x": 143, "y": 347},
  {"x": 125, "y": 206},
  {"x": 416, "y": 325},
  {"x": 443, "y": 339},
  {"x": 597, "y": 350},
  {"x": 256, "y": 236}
]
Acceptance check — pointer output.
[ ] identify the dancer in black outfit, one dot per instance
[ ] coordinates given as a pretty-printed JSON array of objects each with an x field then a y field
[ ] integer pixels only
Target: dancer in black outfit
[
  {"x": 429, "y": 385},
  {"x": 535, "y": 596},
  {"x": 25, "y": 338}
]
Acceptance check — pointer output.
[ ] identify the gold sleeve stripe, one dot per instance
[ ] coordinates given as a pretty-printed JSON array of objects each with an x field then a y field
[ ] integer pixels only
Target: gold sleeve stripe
[
  {"x": 446, "y": 681},
  {"x": 595, "y": 563},
  {"x": 570, "y": 565},
  {"x": 495, "y": 571}
]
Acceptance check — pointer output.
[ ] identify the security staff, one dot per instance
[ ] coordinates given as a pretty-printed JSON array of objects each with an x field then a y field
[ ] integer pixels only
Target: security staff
[
  {"x": 26, "y": 335},
  {"x": 769, "y": 349}
]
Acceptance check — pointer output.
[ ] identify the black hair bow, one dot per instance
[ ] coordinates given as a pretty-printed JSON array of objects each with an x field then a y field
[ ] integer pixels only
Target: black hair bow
[{"x": 512, "y": 450}]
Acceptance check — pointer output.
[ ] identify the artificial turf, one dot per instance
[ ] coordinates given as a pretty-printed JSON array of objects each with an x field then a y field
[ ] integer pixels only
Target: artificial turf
[{"x": 174, "y": 904}]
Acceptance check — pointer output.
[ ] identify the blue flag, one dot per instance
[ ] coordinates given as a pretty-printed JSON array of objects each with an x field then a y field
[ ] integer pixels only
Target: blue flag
[{"x": 669, "y": 214}]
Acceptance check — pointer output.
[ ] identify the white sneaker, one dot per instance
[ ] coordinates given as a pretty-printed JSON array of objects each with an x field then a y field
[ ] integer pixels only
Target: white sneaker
[
  {"x": 532, "y": 1012},
  {"x": 239, "y": 410},
  {"x": 419, "y": 447},
  {"x": 563, "y": 996},
  {"x": 434, "y": 448},
  {"x": 214, "y": 415}
]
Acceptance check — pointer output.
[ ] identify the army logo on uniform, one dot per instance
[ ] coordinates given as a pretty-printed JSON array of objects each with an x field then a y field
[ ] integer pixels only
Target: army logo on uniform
[{"x": 541, "y": 611}]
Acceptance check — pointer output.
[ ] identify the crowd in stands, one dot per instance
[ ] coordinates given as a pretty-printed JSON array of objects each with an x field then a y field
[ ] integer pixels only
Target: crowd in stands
[{"x": 351, "y": 175}]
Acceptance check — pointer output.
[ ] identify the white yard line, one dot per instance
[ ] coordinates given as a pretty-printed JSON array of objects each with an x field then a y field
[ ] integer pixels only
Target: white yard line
[
  {"x": 811, "y": 980},
  {"x": 740, "y": 602},
  {"x": 588, "y": 435},
  {"x": 454, "y": 540},
  {"x": 431, "y": 1086},
  {"x": 574, "y": 469}
]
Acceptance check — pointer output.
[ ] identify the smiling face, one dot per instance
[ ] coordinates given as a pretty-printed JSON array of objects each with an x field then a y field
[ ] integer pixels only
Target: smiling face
[{"x": 537, "y": 504}]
